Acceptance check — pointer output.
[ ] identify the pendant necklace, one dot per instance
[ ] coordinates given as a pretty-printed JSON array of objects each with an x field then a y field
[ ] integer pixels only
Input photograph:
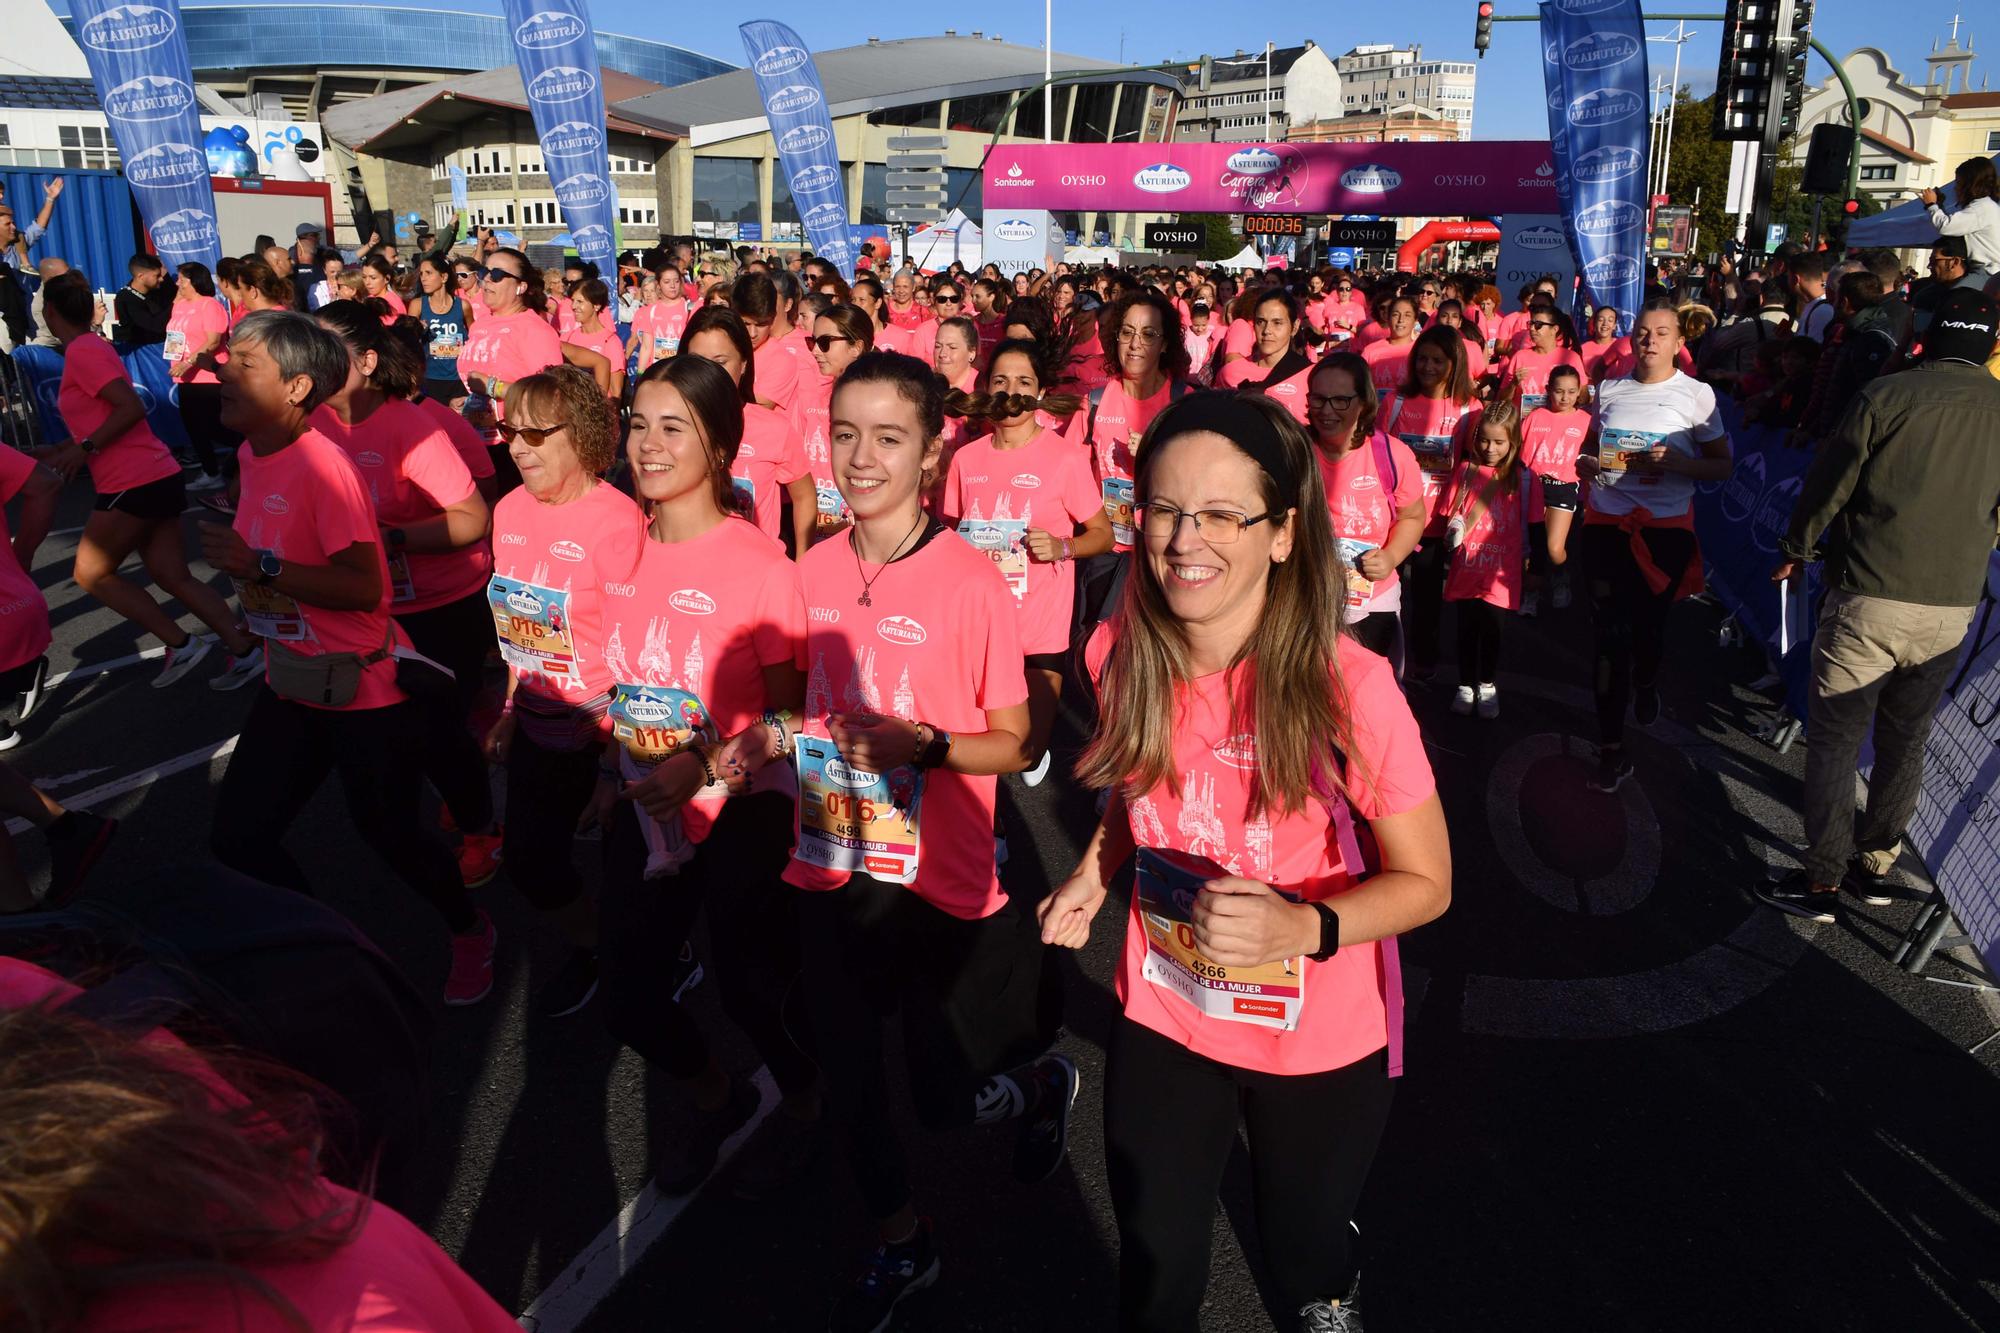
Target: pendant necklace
[{"x": 866, "y": 582}]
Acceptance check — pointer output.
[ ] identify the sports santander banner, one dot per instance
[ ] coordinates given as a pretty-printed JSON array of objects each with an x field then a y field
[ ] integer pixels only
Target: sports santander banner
[
  {"x": 1594, "y": 54},
  {"x": 1384, "y": 179},
  {"x": 139, "y": 62},
  {"x": 556, "y": 49},
  {"x": 795, "y": 104}
]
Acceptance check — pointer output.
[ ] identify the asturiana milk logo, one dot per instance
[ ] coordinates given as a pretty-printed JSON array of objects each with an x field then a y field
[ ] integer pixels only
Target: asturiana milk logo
[
  {"x": 1608, "y": 271},
  {"x": 567, "y": 550},
  {"x": 1606, "y": 106},
  {"x": 804, "y": 139},
  {"x": 562, "y": 83},
  {"x": 276, "y": 504},
  {"x": 1586, "y": 6},
  {"x": 547, "y": 29},
  {"x": 1613, "y": 217},
  {"x": 1601, "y": 166},
  {"x": 792, "y": 99},
  {"x": 1774, "y": 514},
  {"x": 572, "y": 138},
  {"x": 815, "y": 178},
  {"x": 780, "y": 61},
  {"x": 824, "y": 217},
  {"x": 582, "y": 189},
  {"x": 128, "y": 28},
  {"x": 1254, "y": 162},
  {"x": 1015, "y": 229},
  {"x": 167, "y": 166},
  {"x": 1539, "y": 238},
  {"x": 525, "y": 601},
  {"x": 1238, "y": 751},
  {"x": 838, "y": 772},
  {"x": 693, "y": 601},
  {"x": 186, "y": 231},
  {"x": 646, "y": 708},
  {"x": 1370, "y": 178},
  {"x": 1162, "y": 178},
  {"x": 1600, "y": 50},
  {"x": 901, "y": 629},
  {"x": 1025, "y": 481},
  {"x": 592, "y": 240},
  {"x": 149, "y": 97}
]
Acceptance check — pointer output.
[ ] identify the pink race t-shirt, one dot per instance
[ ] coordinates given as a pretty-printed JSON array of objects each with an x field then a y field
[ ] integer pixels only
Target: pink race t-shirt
[
  {"x": 707, "y": 616},
  {"x": 771, "y": 457},
  {"x": 1489, "y": 565},
  {"x": 1043, "y": 485},
  {"x": 471, "y": 446},
  {"x": 937, "y": 644},
  {"x": 191, "y": 325},
  {"x": 1388, "y": 363},
  {"x": 305, "y": 504},
  {"x": 1239, "y": 339},
  {"x": 1596, "y": 352},
  {"x": 657, "y": 329},
  {"x": 605, "y": 342},
  {"x": 1085, "y": 366},
  {"x": 909, "y": 317},
  {"x": 561, "y": 556},
  {"x": 24, "y": 612},
  {"x": 1289, "y": 392},
  {"x": 394, "y": 302},
  {"x": 136, "y": 456},
  {"x": 778, "y": 373},
  {"x": 923, "y": 342},
  {"x": 1363, "y": 501},
  {"x": 412, "y": 472},
  {"x": 1528, "y": 373},
  {"x": 1551, "y": 441},
  {"x": 1116, "y": 427},
  {"x": 1206, "y": 813},
  {"x": 500, "y": 349},
  {"x": 815, "y": 431},
  {"x": 1436, "y": 431},
  {"x": 901, "y": 338}
]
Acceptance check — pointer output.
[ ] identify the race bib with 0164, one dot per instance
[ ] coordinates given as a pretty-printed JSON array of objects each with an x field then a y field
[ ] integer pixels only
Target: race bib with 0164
[
  {"x": 853, "y": 820},
  {"x": 1165, "y": 883},
  {"x": 1001, "y": 540},
  {"x": 653, "y": 722},
  {"x": 532, "y": 624}
]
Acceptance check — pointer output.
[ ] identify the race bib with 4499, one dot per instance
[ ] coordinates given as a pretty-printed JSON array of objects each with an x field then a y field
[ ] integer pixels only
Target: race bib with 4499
[{"x": 853, "y": 820}]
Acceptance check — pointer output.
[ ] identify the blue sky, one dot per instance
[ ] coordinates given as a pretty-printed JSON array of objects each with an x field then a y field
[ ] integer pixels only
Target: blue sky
[{"x": 1509, "y": 103}]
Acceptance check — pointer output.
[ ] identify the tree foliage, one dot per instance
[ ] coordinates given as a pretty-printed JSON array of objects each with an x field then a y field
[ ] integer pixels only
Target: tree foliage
[{"x": 1221, "y": 241}]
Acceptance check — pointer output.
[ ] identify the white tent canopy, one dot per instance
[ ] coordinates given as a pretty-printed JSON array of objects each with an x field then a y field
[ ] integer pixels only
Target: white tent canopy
[
  {"x": 1248, "y": 258},
  {"x": 1906, "y": 226},
  {"x": 1091, "y": 254},
  {"x": 956, "y": 237}
]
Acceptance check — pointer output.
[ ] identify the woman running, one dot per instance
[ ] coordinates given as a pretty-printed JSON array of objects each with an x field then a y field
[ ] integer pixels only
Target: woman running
[
  {"x": 197, "y": 330},
  {"x": 510, "y": 341},
  {"x": 594, "y": 329},
  {"x": 1602, "y": 344},
  {"x": 307, "y": 560},
  {"x": 140, "y": 497},
  {"x": 990, "y": 299},
  {"x": 702, "y": 644},
  {"x": 1024, "y": 496},
  {"x": 434, "y": 524},
  {"x": 1552, "y": 438},
  {"x": 656, "y": 333},
  {"x": 1487, "y": 534},
  {"x": 1658, "y": 433},
  {"x": 1434, "y": 411},
  {"x": 1388, "y": 357},
  {"x": 1374, "y": 493},
  {"x": 1279, "y": 366},
  {"x": 1239, "y": 734},
  {"x": 558, "y": 540},
  {"x": 445, "y": 320},
  {"x": 1552, "y": 342},
  {"x": 915, "y": 702},
  {"x": 840, "y": 336},
  {"x": 770, "y": 466}
]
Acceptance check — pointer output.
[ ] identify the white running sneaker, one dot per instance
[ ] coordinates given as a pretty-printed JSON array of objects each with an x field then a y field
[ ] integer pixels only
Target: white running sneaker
[
  {"x": 184, "y": 659},
  {"x": 239, "y": 671},
  {"x": 202, "y": 485},
  {"x": 1461, "y": 703},
  {"x": 1489, "y": 702}
]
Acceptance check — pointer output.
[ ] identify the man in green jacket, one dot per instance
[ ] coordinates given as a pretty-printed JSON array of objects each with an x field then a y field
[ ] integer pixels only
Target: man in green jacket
[{"x": 1904, "y": 499}]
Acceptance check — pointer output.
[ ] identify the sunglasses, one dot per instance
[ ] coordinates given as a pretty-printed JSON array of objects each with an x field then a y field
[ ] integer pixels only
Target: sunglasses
[
  {"x": 1541, "y": 323},
  {"x": 493, "y": 274},
  {"x": 825, "y": 341},
  {"x": 536, "y": 436}
]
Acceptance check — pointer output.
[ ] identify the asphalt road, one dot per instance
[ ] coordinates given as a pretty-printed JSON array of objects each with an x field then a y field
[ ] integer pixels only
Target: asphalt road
[{"x": 1634, "y": 1100}]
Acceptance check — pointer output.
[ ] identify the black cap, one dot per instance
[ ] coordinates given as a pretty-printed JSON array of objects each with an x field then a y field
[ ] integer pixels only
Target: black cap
[
  {"x": 1962, "y": 328},
  {"x": 307, "y": 229},
  {"x": 1951, "y": 247}
]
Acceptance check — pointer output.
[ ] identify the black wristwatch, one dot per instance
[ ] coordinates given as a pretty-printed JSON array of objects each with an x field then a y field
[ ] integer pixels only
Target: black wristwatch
[
  {"x": 934, "y": 754},
  {"x": 268, "y": 567},
  {"x": 1329, "y": 933}
]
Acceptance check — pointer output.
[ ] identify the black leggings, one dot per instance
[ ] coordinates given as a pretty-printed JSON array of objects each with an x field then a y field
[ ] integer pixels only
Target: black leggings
[
  {"x": 546, "y": 793},
  {"x": 285, "y": 752},
  {"x": 456, "y": 636},
  {"x": 1376, "y": 632},
  {"x": 1631, "y": 618},
  {"x": 1479, "y": 627},
  {"x": 753, "y": 934},
  {"x": 1423, "y": 602},
  {"x": 977, "y": 998},
  {"x": 201, "y": 415},
  {"x": 1170, "y": 1120}
]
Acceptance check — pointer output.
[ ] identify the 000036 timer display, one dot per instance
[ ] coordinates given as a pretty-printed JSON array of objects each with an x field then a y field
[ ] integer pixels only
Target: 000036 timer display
[{"x": 1260, "y": 224}]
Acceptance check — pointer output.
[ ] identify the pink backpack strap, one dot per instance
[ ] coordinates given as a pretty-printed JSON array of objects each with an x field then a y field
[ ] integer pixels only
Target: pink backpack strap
[{"x": 1341, "y": 813}]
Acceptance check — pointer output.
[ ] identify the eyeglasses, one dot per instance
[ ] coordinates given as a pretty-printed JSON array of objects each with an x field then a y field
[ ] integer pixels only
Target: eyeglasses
[
  {"x": 1331, "y": 402},
  {"x": 496, "y": 274},
  {"x": 825, "y": 341},
  {"x": 536, "y": 436},
  {"x": 1147, "y": 336},
  {"x": 1217, "y": 527},
  {"x": 1541, "y": 323}
]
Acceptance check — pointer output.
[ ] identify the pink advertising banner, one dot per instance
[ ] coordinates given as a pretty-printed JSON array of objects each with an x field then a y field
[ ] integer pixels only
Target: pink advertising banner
[{"x": 1386, "y": 179}]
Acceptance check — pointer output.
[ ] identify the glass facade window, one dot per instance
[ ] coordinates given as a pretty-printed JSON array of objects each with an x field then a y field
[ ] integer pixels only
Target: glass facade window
[
  {"x": 919, "y": 115},
  {"x": 783, "y": 210},
  {"x": 1028, "y": 117},
  {"x": 980, "y": 114},
  {"x": 1131, "y": 114},
  {"x": 874, "y": 192},
  {"x": 970, "y": 180},
  {"x": 1090, "y": 122},
  {"x": 725, "y": 189}
]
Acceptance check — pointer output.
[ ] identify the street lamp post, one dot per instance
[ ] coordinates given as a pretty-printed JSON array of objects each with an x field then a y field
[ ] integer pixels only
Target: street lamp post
[{"x": 1680, "y": 38}]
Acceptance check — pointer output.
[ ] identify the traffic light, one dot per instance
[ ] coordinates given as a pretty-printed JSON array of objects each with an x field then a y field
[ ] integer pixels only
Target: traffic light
[
  {"x": 1851, "y": 208},
  {"x": 1762, "y": 72},
  {"x": 1791, "y": 92},
  {"x": 1482, "y": 35}
]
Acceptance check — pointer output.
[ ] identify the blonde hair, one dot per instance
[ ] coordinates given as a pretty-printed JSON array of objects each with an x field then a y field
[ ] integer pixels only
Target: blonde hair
[{"x": 1296, "y": 682}]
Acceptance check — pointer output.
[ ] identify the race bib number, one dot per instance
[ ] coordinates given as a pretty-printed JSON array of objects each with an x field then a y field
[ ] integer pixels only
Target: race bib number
[
  {"x": 1271, "y": 995},
  {"x": 270, "y": 613},
  {"x": 853, "y": 820},
  {"x": 1616, "y": 447},
  {"x": 175, "y": 348},
  {"x": 832, "y": 507},
  {"x": 1359, "y": 586},
  {"x": 532, "y": 624},
  {"x": 1003, "y": 541},
  {"x": 402, "y": 584},
  {"x": 1433, "y": 451},
  {"x": 445, "y": 343},
  {"x": 664, "y": 345},
  {"x": 1531, "y": 401},
  {"x": 1119, "y": 493},
  {"x": 745, "y": 488},
  {"x": 654, "y": 722}
]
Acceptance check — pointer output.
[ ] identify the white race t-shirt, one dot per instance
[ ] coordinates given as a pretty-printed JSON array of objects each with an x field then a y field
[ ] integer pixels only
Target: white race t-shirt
[{"x": 1678, "y": 412}]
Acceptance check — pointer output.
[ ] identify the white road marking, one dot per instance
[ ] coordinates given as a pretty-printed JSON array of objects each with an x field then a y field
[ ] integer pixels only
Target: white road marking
[
  {"x": 89, "y": 669},
  {"x": 145, "y": 777},
  {"x": 65, "y": 779},
  {"x": 566, "y": 1302}
]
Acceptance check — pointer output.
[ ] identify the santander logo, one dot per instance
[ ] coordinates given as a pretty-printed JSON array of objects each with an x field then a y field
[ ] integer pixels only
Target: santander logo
[
  {"x": 1238, "y": 751},
  {"x": 901, "y": 629},
  {"x": 693, "y": 601},
  {"x": 567, "y": 550}
]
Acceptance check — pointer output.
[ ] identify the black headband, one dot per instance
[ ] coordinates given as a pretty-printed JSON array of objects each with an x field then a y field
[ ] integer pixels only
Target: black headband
[{"x": 1242, "y": 425}]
